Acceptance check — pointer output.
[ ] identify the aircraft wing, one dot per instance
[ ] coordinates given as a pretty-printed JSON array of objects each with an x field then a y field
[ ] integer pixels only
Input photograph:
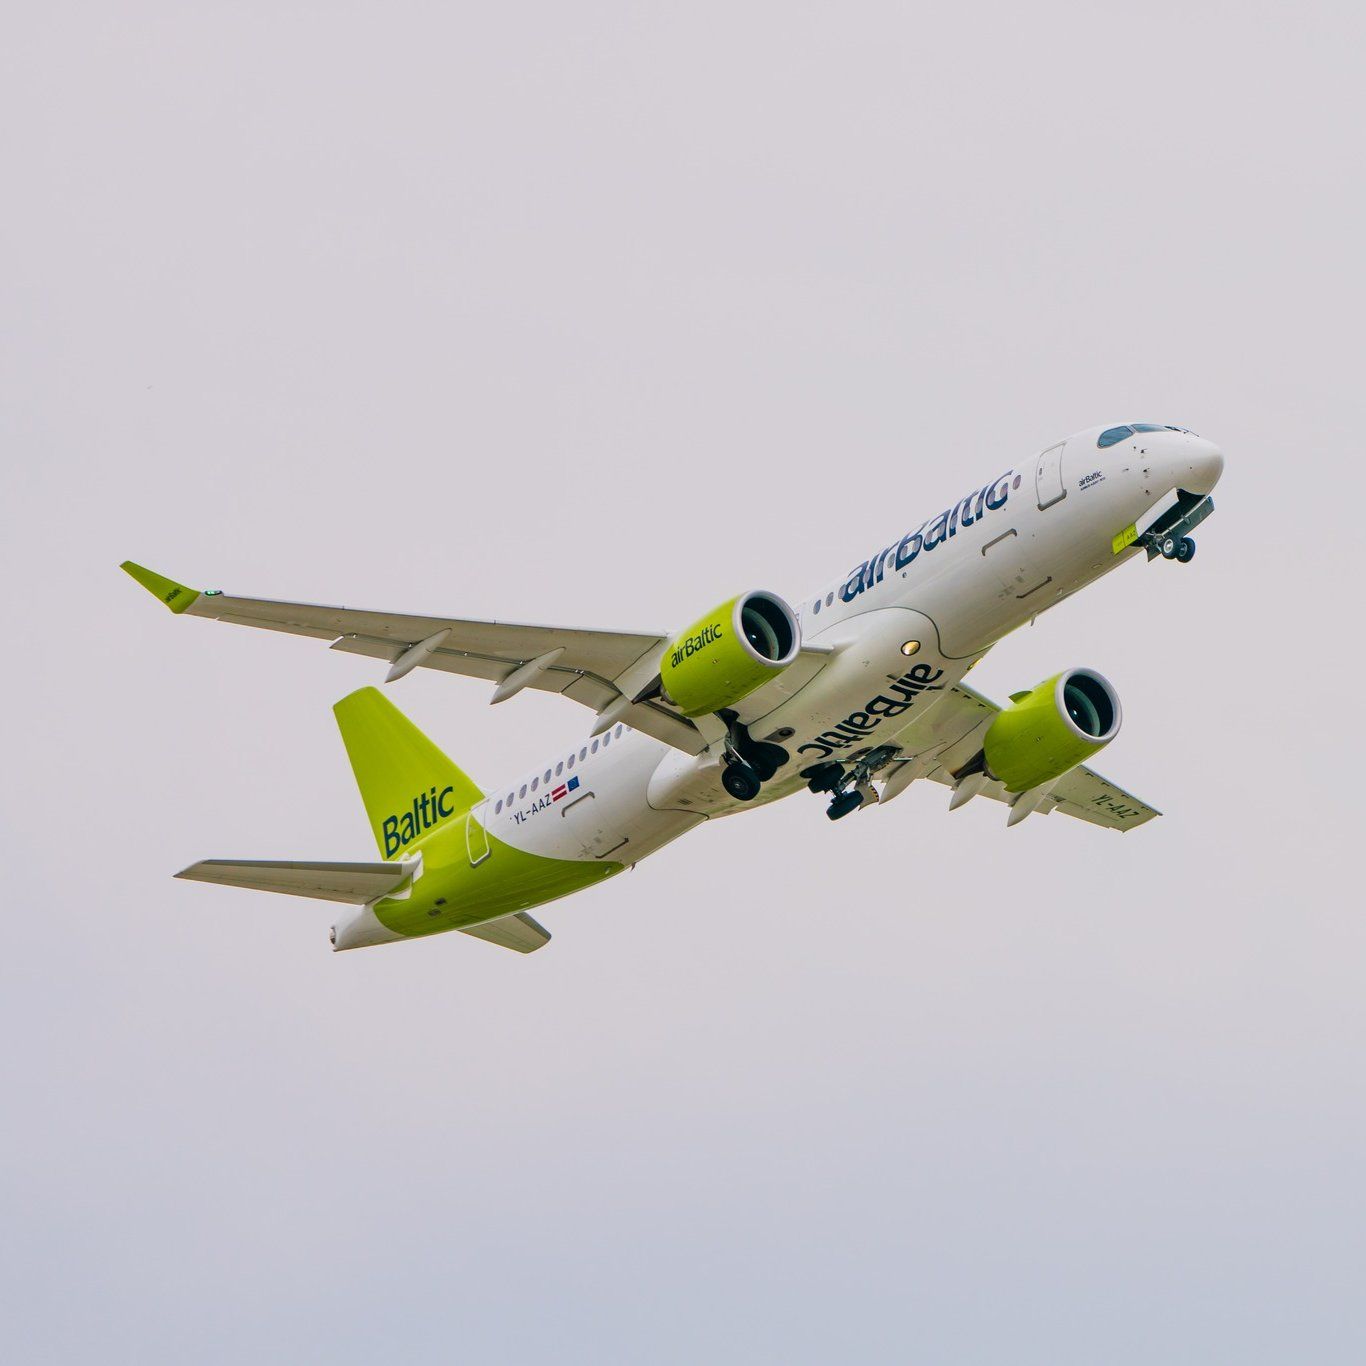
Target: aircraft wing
[
  {"x": 600, "y": 669},
  {"x": 1090, "y": 796},
  {"x": 951, "y": 734}
]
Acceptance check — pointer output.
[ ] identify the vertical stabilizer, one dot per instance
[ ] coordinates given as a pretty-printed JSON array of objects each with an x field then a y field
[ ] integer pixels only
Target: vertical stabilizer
[{"x": 408, "y": 785}]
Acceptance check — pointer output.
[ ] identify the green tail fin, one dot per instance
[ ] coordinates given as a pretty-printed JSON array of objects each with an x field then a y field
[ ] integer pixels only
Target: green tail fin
[{"x": 408, "y": 786}]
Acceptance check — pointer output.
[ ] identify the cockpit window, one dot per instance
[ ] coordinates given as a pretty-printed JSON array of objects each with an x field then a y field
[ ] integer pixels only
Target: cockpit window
[{"x": 1112, "y": 436}]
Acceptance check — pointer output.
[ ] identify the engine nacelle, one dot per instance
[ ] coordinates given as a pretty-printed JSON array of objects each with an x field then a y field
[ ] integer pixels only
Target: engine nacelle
[
  {"x": 1051, "y": 729},
  {"x": 729, "y": 653}
]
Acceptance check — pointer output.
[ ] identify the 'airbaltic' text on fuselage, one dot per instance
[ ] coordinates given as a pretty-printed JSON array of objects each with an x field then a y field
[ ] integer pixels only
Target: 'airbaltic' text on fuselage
[
  {"x": 928, "y": 535},
  {"x": 853, "y": 730}
]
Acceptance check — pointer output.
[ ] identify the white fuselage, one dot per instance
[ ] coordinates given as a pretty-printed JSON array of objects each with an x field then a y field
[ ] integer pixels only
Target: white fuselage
[{"x": 954, "y": 586}]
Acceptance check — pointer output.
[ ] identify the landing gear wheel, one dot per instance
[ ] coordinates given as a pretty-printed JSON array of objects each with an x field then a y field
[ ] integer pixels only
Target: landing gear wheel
[
  {"x": 823, "y": 777},
  {"x": 1170, "y": 547},
  {"x": 844, "y": 804},
  {"x": 741, "y": 782},
  {"x": 1185, "y": 550}
]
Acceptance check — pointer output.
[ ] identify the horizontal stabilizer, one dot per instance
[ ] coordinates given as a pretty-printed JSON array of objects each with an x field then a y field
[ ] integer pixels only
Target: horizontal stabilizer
[
  {"x": 517, "y": 931},
  {"x": 352, "y": 883}
]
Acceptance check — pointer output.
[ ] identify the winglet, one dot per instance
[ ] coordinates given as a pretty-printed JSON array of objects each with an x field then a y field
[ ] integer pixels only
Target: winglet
[{"x": 175, "y": 595}]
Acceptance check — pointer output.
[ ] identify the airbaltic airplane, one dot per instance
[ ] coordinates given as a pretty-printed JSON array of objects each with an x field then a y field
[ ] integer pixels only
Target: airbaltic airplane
[{"x": 855, "y": 693}]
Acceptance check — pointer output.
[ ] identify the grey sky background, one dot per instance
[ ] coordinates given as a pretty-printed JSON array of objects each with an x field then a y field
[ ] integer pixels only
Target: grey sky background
[{"x": 594, "y": 315}]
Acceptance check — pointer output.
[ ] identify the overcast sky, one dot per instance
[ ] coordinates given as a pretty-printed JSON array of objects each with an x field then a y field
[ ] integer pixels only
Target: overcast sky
[{"x": 597, "y": 315}]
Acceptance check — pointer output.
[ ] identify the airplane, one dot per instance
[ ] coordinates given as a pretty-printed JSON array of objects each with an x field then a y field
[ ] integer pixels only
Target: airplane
[{"x": 853, "y": 693}]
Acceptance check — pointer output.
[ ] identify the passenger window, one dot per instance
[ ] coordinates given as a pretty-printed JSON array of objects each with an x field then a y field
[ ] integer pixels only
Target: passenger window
[
  {"x": 509, "y": 801},
  {"x": 535, "y": 783},
  {"x": 594, "y": 747},
  {"x": 571, "y": 761},
  {"x": 498, "y": 809},
  {"x": 829, "y": 598},
  {"x": 522, "y": 793},
  {"x": 559, "y": 768},
  {"x": 547, "y": 775},
  {"x": 583, "y": 754},
  {"x": 619, "y": 730},
  {"x": 816, "y": 606},
  {"x": 607, "y": 739}
]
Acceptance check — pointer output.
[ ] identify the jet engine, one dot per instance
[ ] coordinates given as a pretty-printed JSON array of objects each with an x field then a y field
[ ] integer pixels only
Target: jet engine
[
  {"x": 728, "y": 653},
  {"x": 1050, "y": 729}
]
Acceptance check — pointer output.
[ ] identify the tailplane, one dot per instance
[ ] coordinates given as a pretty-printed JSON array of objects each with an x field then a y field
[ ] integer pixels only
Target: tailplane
[
  {"x": 408, "y": 785},
  {"x": 355, "y": 884},
  {"x": 358, "y": 884}
]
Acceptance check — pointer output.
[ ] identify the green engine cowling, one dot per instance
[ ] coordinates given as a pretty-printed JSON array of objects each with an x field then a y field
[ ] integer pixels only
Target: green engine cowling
[
  {"x": 727, "y": 654},
  {"x": 1051, "y": 729}
]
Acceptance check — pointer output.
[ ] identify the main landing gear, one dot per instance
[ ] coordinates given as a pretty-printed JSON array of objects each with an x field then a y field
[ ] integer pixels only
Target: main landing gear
[
  {"x": 824, "y": 777},
  {"x": 749, "y": 763},
  {"x": 850, "y": 787},
  {"x": 1179, "y": 548},
  {"x": 741, "y": 781},
  {"x": 844, "y": 804}
]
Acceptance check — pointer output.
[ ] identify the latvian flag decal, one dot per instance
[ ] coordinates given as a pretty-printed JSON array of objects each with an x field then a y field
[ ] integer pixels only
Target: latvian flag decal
[{"x": 564, "y": 789}]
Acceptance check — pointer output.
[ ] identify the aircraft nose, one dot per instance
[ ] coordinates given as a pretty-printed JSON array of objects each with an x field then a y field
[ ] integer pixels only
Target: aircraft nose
[{"x": 1203, "y": 463}]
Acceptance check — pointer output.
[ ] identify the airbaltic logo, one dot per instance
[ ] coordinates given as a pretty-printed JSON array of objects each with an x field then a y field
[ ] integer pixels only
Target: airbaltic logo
[
  {"x": 427, "y": 809},
  {"x": 853, "y": 730},
  {"x": 706, "y": 636},
  {"x": 928, "y": 535}
]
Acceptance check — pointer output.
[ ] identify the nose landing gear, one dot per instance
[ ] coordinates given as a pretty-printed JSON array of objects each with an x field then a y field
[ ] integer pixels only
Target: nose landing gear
[
  {"x": 1169, "y": 536},
  {"x": 1178, "y": 548}
]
